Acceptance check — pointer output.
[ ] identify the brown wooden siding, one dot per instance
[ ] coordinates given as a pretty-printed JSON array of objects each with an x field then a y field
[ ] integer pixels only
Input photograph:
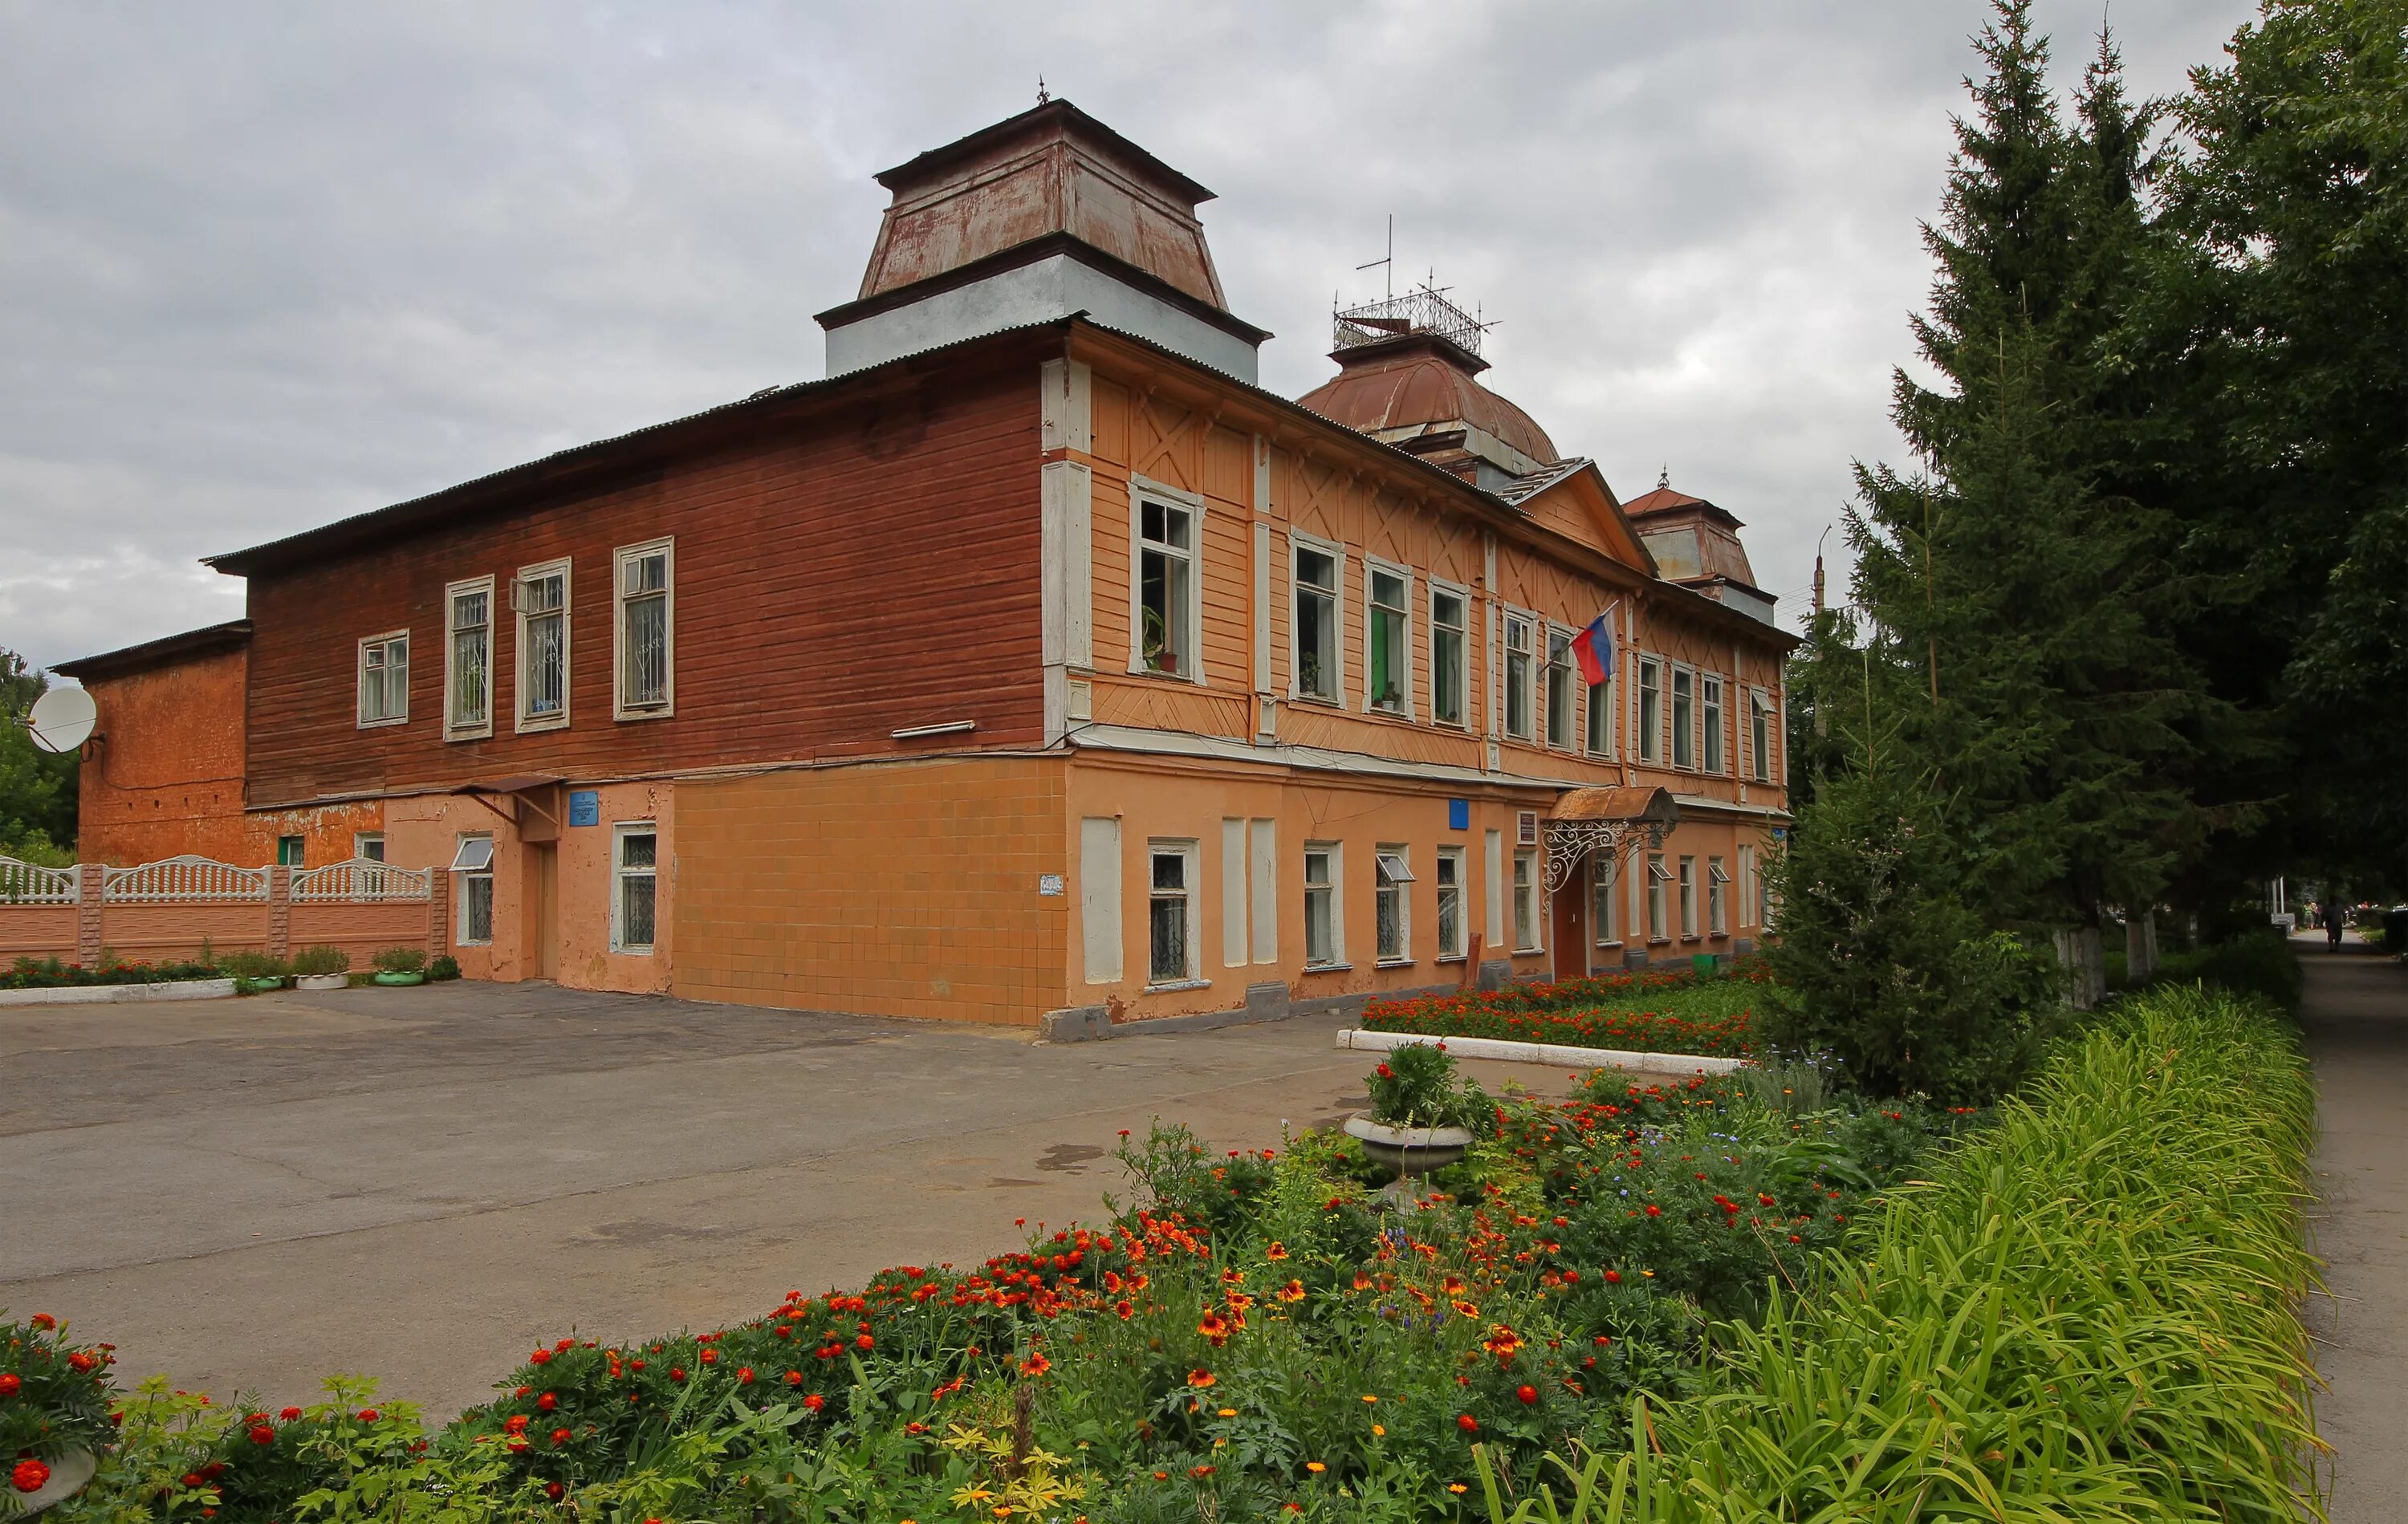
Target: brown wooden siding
[{"x": 840, "y": 574}]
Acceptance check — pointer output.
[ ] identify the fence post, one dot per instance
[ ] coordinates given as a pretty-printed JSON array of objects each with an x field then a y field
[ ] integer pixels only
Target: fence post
[
  {"x": 438, "y": 905},
  {"x": 280, "y": 911},
  {"x": 88, "y": 915}
]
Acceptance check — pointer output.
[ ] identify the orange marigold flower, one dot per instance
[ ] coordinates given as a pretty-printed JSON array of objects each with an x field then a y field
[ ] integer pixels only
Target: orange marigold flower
[
  {"x": 1201, "y": 1377},
  {"x": 1277, "y": 1251}
]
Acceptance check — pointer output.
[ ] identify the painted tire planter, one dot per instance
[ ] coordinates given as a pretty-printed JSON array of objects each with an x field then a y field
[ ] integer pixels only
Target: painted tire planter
[
  {"x": 69, "y": 1475},
  {"x": 260, "y": 986},
  {"x": 1409, "y": 1150},
  {"x": 322, "y": 982},
  {"x": 419, "y": 978}
]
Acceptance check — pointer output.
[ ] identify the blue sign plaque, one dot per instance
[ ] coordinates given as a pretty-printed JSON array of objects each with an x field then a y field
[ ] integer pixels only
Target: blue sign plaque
[{"x": 584, "y": 806}]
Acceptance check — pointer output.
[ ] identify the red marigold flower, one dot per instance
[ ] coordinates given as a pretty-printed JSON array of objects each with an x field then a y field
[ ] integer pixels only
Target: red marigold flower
[
  {"x": 9, "y": 1383},
  {"x": 1613, "y": 1278},
  {"x": 290, "y": 1413},
  {"x": 80, "y": 1362},
  {"x": 677, "y": 1373},
  {"x": 43, "y": 1319},
  {"x": 547, "y": 1401},
  {"x": 541, "y": 1357},
  {"x": 263, "y": 1435},
  {"x": 864, "y": 1341},
  {"x": 1466, "y": 1422},
  {"x": 29, "y": 1477},
  {"x": 1201, "y": 1377},
  {"x": 562, "y": 1436},
  {"x": 815, "y": 1402},
  {"x": 1654, "y": 1210},
  {"x": 1526, "y": 1392},
  {"x": 368, "y": 1414},
  {"x": 555, "y": 1490}
]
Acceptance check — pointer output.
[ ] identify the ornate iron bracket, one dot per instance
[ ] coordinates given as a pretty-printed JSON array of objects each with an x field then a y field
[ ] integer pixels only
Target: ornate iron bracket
[{"x": 1570, "y": 841}]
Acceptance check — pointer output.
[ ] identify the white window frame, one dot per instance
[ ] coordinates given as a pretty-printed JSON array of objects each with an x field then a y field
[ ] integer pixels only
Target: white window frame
[
  {"x": 383, "y": 644},
  {"x": 1529, "y": 905},
  {"x": 362, "y": 841},
  {"x": 1746, "y": 884},
  {"x": 540, "y": 569},
  {"x": 1191, "y": 503},
  {"x": 1336, "y": 685},
  {"x": 1600, "y": 716},
  {"x": 1572, "y": 685},
  {"x": 1673, "y": 726},
  {"x": 1462, "y": 633},
  {"x": 620, "y": 873},
  {"x": 1459, "y": 859},
  {"x": 1713, "y": 693},
  {"x": 1334, "y": 891},
  {"x": 1192, "y": 895},
  {"x": 1718, "y": 898},
  {"x": 1392, "y": 875},
  {"x": 1760, "y": 740},
  {"x": 468, "y": 863},
  {"x": 1529, "y": 683},
  {"x": 1651, "y": 710},
  {"x": 1658, "y": 930},
  {"x": 481, "y": 725},
  {"x": 1373, "y": 568},
  {"x": 1603, "y": 885},
  {"x": 665, "y": 547},
  {"x": 1688, "y": 897}
]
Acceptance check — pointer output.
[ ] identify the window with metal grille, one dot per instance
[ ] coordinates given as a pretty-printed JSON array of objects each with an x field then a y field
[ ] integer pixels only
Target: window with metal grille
[
  {"x": 645, "y": 638},
  {"x": 541, "y": 598},
  {"x": 1688, "y": 896},
  {"x": 1393, "y": 904},
  {"x": 1601, "y": 919},
  {"x": 1717, "y": 882},
  {"x": 1171, "y": 919},
  {"x": 1450, "y": 901},
  {"x": 1658, "y": 874},
  {"x": 1525, "y": 901},
  {"x": 635, "y": 868},
  {"x": 1323, "y": 948},
  {"x": 469, "y": 658},
  {"x": 384, "y": 679},
  {"x": 472, "y": 877}
]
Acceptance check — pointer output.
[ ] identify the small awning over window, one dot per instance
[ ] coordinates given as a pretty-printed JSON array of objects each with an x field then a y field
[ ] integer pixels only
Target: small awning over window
[
  {"x": 476, "y": 855},
  {"x": 1393, "y": 868},
  {"x": 1638, "y": 803}
]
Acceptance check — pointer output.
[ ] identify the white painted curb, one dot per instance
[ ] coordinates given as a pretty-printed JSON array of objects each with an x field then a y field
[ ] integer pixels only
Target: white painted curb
[
  {"x": 115, "y": 995},
  {"x": 1554, "y": 1053}
]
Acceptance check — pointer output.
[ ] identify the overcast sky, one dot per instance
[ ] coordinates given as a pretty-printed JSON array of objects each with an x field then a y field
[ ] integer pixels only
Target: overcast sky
[{"x": 266, "y": 265}]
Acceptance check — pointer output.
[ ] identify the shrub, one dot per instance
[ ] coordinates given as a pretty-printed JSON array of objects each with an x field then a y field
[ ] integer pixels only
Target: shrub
[
  {"x": 2258, "y": 962},
  {"x": 1417, "y": 1086},
  {"x": 444, "y": 967},
  {"x": 1649, "y": 1011},
  {"x": 50, "y": 974},
  {"x": 400, "y": 961},
  {"x": 322, "y": 959},
  {"x": 54, "y": 1399},
  {"x": 254, "y": 965}
]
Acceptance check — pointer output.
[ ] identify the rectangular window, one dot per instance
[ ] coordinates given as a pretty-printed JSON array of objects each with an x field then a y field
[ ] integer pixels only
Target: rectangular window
[
  {"x": 1387, "y": 665},
  {"x": 1688, "y": 897},
  {"x": 1166, "y": 589},
  {"x": 289, "y": 851},
  {"x": 1450, "y": 657},
  {"x": 540, "y": 597},
  {"x": 644, "y": 631},
  {"x": 1747, "y": 880},
  {"x": 368, "y": 845},
  {"x": 1450, "y": 901},
  {"x": 1324, "y": 947},
  {"x": 1317, "y": 572},
  {"x": 1759, "y": 736},
  {"x": 1171, "y": 913},
  {"x": 1521, "y": 695},
  {"x": 1684, "y": 718},
  {"x": 1600, "y": 718},
  {"x": 1560, "y": 687},
  {"x": 1710, "y": 701},
  {"x": 1717, "y": 885},
  {"x": 634, "y": 867},
  {"x": 469, "y": 659},
  {"x": 1601, "y": 901},
  {"x": 1656, "y": 876},
  {"x": 472, "y": 877},
  {"x": 1394, "y": 904},
  {"x": 384, "y": 679},
  {"x": 1525, "y": 901},
  {"x": 1651, "y": 709}
]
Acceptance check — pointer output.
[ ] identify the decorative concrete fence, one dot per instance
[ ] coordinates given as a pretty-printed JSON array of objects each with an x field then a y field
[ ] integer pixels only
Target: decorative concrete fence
[{"x": 164, "y": 912}]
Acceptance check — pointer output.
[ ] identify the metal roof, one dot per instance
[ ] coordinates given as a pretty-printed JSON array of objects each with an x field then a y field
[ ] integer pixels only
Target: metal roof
[
  {"x": 1521, "y": 489},
  {"x": 151, "y": 653}
]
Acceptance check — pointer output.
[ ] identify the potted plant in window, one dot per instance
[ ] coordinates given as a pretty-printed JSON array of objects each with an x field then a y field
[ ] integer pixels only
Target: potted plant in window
[
  {"x": 1422, "y": 1117},
  {"x": 54, "y": 1423},
  {"x": 322, "y": 968},
  {"x": 400, "y": 965},
  {"x": 1158, "y": 656}
]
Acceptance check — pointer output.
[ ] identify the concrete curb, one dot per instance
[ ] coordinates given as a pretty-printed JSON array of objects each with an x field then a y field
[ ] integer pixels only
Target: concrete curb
[
  {"x": 1552, "y": 1053},
  {"x": 118, "y": 994},
  {"x": 1265, "y": 1001}
]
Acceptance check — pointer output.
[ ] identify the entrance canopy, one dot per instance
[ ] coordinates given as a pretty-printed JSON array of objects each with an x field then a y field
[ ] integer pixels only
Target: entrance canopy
[{"x": 1608, "y": 822}]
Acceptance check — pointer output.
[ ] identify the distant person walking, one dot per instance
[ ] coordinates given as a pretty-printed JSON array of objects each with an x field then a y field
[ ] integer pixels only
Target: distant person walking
[{"x": 2333, "y": 920}]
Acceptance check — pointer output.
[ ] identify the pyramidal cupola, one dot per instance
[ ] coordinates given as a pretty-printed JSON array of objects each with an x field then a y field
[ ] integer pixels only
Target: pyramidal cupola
[{"x": 1035, "y": 218}]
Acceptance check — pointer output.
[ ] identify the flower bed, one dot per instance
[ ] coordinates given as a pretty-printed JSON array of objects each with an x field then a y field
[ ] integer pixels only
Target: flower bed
[
  {"x": 55, "y": 1403},
  {"x": 1667, "y": 1012},
  {"x": 50, "y": 974},
  {"x": 1259, "y": 1338}
]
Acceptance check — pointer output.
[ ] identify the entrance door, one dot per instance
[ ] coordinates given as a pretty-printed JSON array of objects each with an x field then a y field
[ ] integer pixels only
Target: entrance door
[
  {"x": 1568, "y": 928},
  {"x": 543, "y": 891}
]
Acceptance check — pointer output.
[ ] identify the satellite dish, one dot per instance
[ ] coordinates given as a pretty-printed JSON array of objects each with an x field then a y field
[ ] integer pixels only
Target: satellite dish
[{"x": 62, "y": 718}]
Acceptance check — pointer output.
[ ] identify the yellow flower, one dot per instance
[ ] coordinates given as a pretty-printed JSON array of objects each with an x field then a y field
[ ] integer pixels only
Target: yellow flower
[
  {"x": 1456, "y": 1487},
  {"x": 1229, "y": 1413},
  {"x": 1380, "y": 1429},
  {"x": 1315, "y": 1467},
  {"x": 1369, "y": 1398}
]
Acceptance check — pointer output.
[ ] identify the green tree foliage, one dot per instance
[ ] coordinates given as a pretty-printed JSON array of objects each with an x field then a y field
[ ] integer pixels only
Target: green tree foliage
[{"x": 38, "y": 789}]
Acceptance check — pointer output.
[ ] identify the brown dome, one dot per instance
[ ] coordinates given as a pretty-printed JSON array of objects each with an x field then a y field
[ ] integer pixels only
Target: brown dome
[{"x": 1411, "y": 383}]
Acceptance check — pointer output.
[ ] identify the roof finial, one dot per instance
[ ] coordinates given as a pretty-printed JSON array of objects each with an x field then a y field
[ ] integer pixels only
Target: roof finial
[
  {"x": 1664, "y": 478},
  {"x": 1041, "y": 97}
]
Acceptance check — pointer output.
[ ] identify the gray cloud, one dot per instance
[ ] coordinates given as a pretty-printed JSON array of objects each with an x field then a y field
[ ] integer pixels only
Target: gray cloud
[{"x": 264, "y": 265}]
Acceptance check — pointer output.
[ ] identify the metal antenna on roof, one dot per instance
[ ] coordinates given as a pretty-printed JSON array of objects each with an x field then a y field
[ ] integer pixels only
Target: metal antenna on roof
[
  {"x": 1664, "y": 478},
  {"x": 1041, "y": 97},
  {"x": 1387, "y": 260}
]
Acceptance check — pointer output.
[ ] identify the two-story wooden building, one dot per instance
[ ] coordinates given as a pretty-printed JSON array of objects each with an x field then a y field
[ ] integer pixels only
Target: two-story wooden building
[{"x": 1036, "y": 661}]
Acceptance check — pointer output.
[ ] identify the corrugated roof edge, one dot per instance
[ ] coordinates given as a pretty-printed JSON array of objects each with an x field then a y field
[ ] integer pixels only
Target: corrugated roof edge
[{"x": 149, "y": 654}]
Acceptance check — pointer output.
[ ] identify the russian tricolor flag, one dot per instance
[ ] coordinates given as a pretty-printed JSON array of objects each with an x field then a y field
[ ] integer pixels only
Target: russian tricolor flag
[{"x": 1592, "y": 649}]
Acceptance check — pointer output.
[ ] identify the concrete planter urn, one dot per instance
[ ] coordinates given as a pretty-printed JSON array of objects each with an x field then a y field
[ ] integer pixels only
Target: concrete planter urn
[
  {"x": 416, "y": 977},
  {"x": 69, "y": 1475},
  {"x": 322, "y": 982},
  {"x": 1409, "y": 1150}
]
